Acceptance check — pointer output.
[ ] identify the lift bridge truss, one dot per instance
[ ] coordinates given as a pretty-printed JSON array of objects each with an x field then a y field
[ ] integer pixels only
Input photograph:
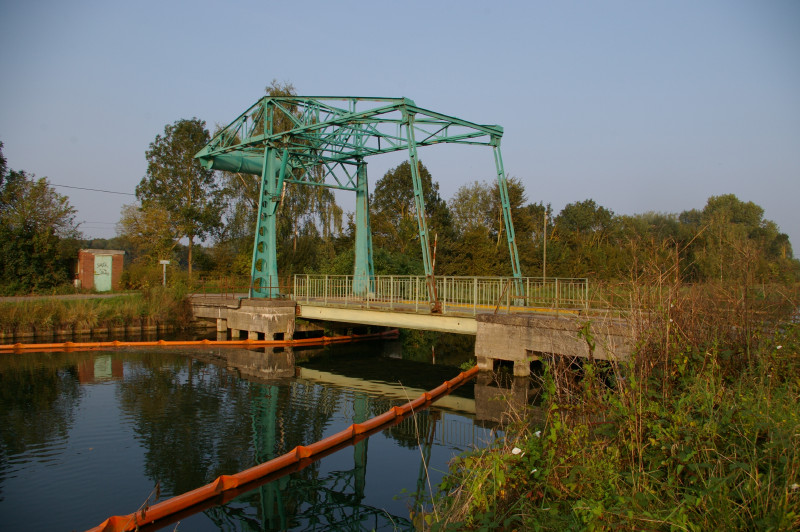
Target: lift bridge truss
[{"x": 324, "y": 141}]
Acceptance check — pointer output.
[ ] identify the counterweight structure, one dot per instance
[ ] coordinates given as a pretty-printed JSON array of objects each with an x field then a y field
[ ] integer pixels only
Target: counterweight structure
[{"x": 324, "y": 141}]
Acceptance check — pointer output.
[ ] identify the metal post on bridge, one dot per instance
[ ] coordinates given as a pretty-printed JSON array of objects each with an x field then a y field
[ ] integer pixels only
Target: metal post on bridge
[
  {"x": 527, "y": 291},
  {"x": 556, "y": 296},
  {"x": 416, "y": 294},
  {"x": 586, "y": 294},
  {"x": 474, "y": 296},
  {"x": 444, "y": 295}
]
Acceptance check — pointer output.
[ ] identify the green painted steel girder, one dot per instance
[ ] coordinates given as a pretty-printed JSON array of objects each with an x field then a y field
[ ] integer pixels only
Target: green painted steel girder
[{"x": 323, "y": 141}]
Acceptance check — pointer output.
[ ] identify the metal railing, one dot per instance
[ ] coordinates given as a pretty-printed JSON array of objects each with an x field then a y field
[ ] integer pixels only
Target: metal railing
[{"x": 456, "y": 295}]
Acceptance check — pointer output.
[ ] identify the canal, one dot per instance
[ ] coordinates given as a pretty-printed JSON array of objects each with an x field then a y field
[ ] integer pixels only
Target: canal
[{"x": 87, "y": 435}]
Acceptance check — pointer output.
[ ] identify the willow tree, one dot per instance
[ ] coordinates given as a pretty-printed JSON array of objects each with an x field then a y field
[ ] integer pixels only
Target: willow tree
[
  {"x": 308, "y": 216},
  {"x": 178, "y": 184}
]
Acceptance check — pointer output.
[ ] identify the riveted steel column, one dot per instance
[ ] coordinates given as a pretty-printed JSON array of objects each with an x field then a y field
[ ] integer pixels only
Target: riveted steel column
[
  {"x": 264, "y": 270},
  {"x": 509, "y": 223},
  {"x": 419, "y": 202},
  {"x": 363, "y": 271}
]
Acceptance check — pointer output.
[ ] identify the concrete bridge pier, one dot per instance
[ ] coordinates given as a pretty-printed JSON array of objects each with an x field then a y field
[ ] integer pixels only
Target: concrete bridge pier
[
  {"x": 268, "y": 319},
  {"x": 520, "y": 339}
]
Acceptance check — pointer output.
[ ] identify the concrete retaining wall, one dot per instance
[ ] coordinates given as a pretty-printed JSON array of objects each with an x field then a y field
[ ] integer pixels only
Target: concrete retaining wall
[
  {"x": 520, "y": 338},
  {"x": 274, "y": 318}
]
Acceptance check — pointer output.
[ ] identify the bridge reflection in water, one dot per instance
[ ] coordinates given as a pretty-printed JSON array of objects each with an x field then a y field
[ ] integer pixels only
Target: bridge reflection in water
[{"x": 334, "y": 496}]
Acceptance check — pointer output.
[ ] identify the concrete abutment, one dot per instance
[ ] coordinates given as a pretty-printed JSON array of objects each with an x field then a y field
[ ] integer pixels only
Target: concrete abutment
[
  {"x": 516, "y": 339},
  {"x": 523, "y": 338}
]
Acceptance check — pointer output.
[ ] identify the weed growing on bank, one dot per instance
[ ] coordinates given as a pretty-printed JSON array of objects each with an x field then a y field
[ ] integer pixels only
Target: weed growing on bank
[
  {"x": 700, "y": 430},
  {"x": 152, "y": 305}
]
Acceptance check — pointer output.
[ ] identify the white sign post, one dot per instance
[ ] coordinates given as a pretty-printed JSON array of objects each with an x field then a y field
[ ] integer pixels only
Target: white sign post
[{"x": 163, "y": 264}]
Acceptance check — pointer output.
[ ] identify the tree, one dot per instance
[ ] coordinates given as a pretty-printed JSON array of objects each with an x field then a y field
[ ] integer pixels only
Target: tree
[
  {"x": 308, "y": 217},
  {"x": 178, "y": 184},
  {"x": 149, "y": 230},
  {"x": 735, "y": 242},
  {"x": 35, "y": 222},
  {"x": 582, "y": 231},
  {"x": 471, "y": 208},
  {"x": 477, "y": 213},
  {"x": 394, "y": 214},
  {"x": 3, "y": 165}
]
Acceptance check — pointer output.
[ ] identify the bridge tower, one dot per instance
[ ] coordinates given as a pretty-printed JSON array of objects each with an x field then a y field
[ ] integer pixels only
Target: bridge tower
[{"x": 324, "y": 141}]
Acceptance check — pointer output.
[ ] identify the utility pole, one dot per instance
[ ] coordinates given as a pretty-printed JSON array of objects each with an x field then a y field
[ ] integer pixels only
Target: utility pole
[{"x": 544, "y": 251}]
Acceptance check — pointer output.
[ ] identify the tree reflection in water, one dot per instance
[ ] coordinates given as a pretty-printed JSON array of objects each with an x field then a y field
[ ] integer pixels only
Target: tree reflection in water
[
  {"x": 195, "y": 419},
  {"x": 38, "y": 400}
]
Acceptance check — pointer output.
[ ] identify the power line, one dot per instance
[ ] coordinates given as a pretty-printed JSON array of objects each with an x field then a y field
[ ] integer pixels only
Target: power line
[{"x": 94, "y": 189}]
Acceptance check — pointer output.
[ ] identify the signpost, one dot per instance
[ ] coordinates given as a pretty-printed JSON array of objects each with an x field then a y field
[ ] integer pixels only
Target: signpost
[{"x": 163, "y": 264}]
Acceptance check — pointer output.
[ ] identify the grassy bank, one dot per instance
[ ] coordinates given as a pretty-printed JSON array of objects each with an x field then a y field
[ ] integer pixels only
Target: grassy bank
[
  {"x": 699, "y": 431},
  {"x": 155, "y": 305}
]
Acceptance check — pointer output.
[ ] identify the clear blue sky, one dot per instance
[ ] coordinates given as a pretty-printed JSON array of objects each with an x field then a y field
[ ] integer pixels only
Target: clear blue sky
[{"x": 641, "y": 106}]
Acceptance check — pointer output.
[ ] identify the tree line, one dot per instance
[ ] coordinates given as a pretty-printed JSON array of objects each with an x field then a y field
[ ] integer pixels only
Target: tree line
[
  {"x": 204, "y": 220},
  {"x": 727, "y": 239}
]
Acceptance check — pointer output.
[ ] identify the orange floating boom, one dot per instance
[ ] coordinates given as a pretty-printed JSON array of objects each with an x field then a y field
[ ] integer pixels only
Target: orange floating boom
[
  {"x": 82, "y": 346},
  {"x": 289, "y": 462}
]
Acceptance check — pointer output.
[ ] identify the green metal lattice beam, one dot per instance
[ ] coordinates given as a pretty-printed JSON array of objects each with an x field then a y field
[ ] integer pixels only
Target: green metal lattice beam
[{"x": 323, "y": 141}]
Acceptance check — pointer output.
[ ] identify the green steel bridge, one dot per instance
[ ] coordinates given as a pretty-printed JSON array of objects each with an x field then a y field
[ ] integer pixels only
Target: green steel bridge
[
  {"x": 324, "y": 141},
  {"x": 402, "y": 300}
]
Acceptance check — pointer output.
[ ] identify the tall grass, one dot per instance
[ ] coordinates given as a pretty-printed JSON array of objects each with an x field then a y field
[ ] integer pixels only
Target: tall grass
[
  {"x": 699, "y": 430},
  {"x": 155, "y": 305}
]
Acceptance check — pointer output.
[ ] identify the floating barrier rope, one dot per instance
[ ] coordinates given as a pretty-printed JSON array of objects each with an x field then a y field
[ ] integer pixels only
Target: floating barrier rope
[
  {"x": 226, "y": 487},
  {"x": 82, "y": 346}
]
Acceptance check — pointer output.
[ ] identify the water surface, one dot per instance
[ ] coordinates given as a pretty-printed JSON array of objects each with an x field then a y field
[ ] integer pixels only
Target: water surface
[{"x": 86, "y": 435}]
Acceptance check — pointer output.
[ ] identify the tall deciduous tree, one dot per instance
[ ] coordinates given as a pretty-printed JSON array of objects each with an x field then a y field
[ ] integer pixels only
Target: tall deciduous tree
[
  {"x": 3, "y": 165},
  {"x": 394, "y": 212},
  {"x": 149, "y": 230},
  {"x": 736, "y": 242},
  {"x": 35, "y": 221},
  {"x": 178, "y": 184},
  {"x": 471, "y": 208},
  {"x": 582, "y": 231}
]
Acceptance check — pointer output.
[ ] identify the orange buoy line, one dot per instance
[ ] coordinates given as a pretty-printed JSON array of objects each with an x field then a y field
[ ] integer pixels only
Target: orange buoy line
[
  {"x": 225, "y": 487},
  {"x": 75, "y": 346}
]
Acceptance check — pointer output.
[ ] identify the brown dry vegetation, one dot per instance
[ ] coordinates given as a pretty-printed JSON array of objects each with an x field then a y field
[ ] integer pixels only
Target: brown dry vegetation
[{"x": 700, "y": 430}]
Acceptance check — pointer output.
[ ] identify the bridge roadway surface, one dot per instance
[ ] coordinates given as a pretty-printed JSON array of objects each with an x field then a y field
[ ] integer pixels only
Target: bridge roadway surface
[
  {"x": 412, "y": 315},
  {"x": 512, "y": 333},
  {"x": 455, "y": 318}
]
